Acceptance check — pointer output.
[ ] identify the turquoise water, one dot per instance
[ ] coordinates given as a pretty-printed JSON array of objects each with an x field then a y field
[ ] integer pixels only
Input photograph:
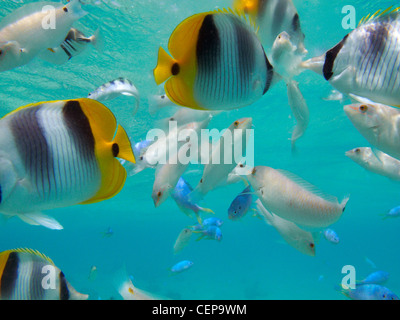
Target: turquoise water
[{"x": 252, "y": 261}]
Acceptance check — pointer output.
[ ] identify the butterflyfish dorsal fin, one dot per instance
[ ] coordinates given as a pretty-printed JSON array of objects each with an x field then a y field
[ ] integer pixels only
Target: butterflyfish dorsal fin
[
  {"x": 34, "y": 252},
  {"x": 378, "y": 14}
]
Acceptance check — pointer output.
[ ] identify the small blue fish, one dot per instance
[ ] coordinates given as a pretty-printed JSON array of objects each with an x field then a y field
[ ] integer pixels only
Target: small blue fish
[
  {"x": 181, "y": 196},
  {"x": 210, "y": 233},
  {"x": 241, "y": 204},
  {"x": 108, "y": 233},
  {"x": 377, "y": 277},
  {"x": 393, "y": 213},
  {"x": 212, "y": 221},
  {"x": 181, "y": 266},
  {"x": 331, "y": 236},
  {"x": 370, "y": 292}
]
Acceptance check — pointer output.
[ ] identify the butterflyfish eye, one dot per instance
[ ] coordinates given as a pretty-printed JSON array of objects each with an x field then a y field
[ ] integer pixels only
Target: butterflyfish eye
[
  {"x": 141, "y": 157},
  {"x": 65, "y": 9},
  {"x": 115, "y": 149},
  {"x": 175, "y": 69},
  {"x": 363, "y": 108}
]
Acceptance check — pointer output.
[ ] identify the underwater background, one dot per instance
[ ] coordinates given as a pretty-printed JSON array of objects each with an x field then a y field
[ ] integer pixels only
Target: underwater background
[{"x": 252, "y": 261}]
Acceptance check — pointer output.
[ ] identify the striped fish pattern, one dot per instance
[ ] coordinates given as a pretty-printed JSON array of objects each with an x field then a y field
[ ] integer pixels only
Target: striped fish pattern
[
  {"x": 366, "y": 62},
  {"x": 273, "y": 17},
  {"x": 221, "y": 66},
  {"x": 56, "y": 147},
  {"x": 23, "y": 277},
  {"x": 58, "y": 154}
]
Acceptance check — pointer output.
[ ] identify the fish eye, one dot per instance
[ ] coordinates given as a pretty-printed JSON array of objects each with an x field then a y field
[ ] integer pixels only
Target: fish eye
[
  {"x": 141, "y": 158},
  {"x": 159, "y": 194},
  {"x": 236, "y": 123},
  {"x": 65, "y": 9},
  {"x": 311, "y": 245},
  {"x": 241, "y": 165},
  {"x": 1, "y": 51},
  {"x": 357, "y": 150},
  {"x": 363, "y": 108},
  {"x": 163, "y": 97}
]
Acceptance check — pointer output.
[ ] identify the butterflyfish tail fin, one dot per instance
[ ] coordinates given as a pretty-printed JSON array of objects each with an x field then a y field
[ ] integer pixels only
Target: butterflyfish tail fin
[
  {"x": 163, "y": 70},
  {"x": 123, "y": 145}
]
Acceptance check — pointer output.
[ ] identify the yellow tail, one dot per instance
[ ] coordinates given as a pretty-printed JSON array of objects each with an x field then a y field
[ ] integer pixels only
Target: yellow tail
[
  {"x": 162, "y": 71},
  {"x": 124, "y": 145}
]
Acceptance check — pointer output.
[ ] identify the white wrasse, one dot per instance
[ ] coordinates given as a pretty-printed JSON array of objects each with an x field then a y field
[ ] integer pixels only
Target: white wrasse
[
  {"x": 296, "y": 237},
  {"x": 376, "y": 161},
  {"x": 294, "y": 199},
  {"x": 299, "y": 108},
  {"x": 168, "y": 174},
  {"x": 378, "y": 124},
  {"x": 218, "y": 165},
  {"x": 366, "y": 62},
  {"x": 22, "y": 34}
]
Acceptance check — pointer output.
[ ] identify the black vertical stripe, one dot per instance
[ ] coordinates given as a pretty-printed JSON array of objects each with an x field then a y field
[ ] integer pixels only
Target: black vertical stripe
[
  {"x": 79, "y": 128},
  {"x": 9, "y": 277},
  {"x": 32, "y": 147},
  {"x": 270, "y": 74},
  {"x": 330, "y": 57},
  {"x": 208, "y": 51},
  {"x": 64, "y": 292}
]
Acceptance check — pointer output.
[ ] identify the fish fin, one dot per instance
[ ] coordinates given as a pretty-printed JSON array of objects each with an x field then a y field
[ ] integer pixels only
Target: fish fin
[
  {"x": 357, "y": 99},
  {"x": 344, "y": 202},
  {"x": 97, "y": 40},
  {"x": 34, "y": 252},
  {"x": 113, "y": 179},
  {"x": 306, "y": 185},
  {"x": 377, "y": 14},
  {"x": 74, "y": 7},
  {"x": 102, "y": 121},
  {"x": 315, "y": 64},
  {"x": 163, "y": 70},
  {"x": 124, "y": 145},
  {"x": 206, "y": 210},
  {"x": 38, "y": 218}
]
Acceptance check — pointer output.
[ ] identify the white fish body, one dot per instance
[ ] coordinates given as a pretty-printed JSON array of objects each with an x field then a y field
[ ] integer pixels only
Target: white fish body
[
  {"x": 366, "y": 62},
  {"x": 156, "y": 102},
  {"x": 168, "y": 174},
  {"x": 183, "y": 240},
  {"x": 159, "y": 150},
  {"x": 299, "y": 108},
  {"x": 378, "y": 124},
  {"x": 24, "y": 26},
  {"x": 217, "y": 168},
  {"x": 376, "y": 161},
  {"x": 294, "y": 199},
  {"x": 296, "y": 237}
]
